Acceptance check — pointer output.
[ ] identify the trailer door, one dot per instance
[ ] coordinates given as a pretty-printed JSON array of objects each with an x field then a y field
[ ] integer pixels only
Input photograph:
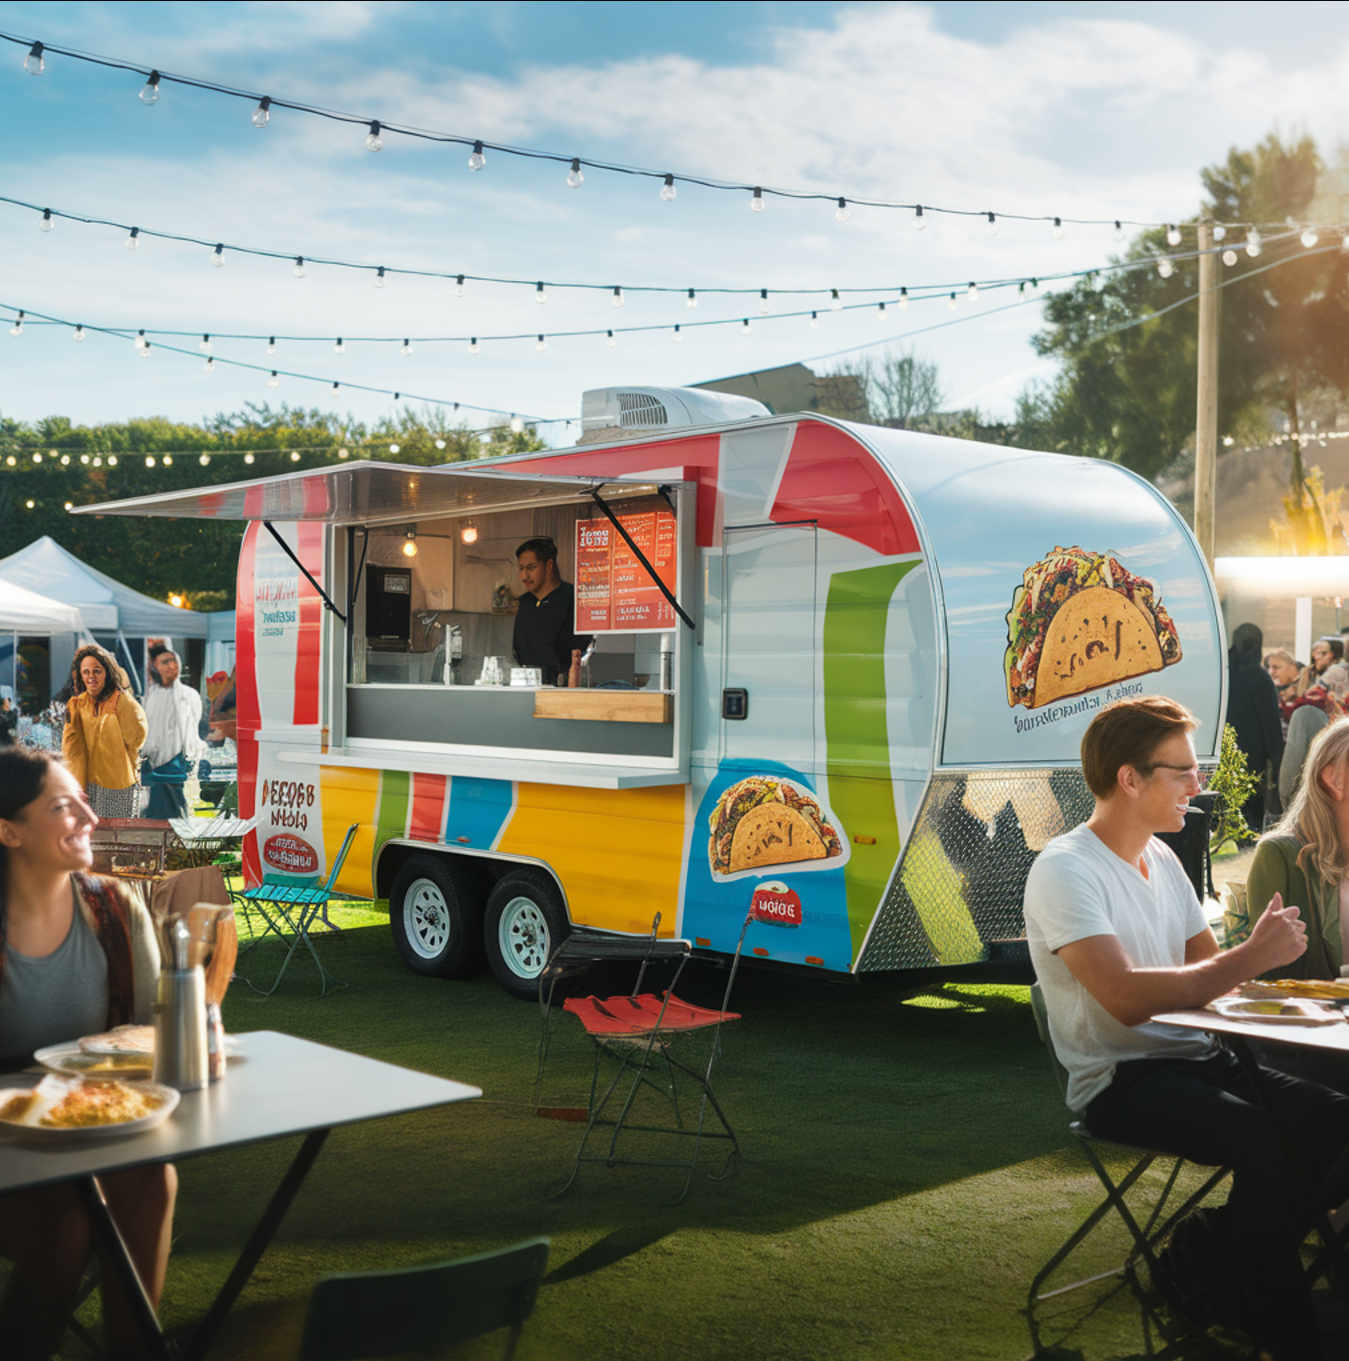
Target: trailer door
[{"x": 769, "y": 644}]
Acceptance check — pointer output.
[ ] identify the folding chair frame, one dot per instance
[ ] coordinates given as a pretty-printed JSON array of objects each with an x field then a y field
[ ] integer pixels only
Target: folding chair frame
[{"x": 297, "y": 906}]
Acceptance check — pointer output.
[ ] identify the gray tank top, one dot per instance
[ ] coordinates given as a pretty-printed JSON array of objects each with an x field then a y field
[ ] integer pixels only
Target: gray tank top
[{"x": 54, "y": 997}]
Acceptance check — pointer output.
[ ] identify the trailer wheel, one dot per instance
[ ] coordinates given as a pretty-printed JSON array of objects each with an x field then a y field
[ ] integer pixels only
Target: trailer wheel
[
  {"x": 523, "y": 925},
  {"x": 435, "y": 914}
]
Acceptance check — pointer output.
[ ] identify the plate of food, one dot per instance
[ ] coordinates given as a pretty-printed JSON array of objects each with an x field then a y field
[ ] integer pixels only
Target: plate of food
[
  {"x": 1276, "y": 1010},
  {"x": 135, "y": 1041},
  {"x": 73, "y": 1061},
  {"x": 1314, "y": 989},
  {"x": 61, "y": 1109}
]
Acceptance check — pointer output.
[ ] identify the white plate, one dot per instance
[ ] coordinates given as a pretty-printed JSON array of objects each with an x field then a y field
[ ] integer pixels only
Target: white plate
[
  {"x": 1302, "y": 1011},
  {"x": 47, "y": 1134},
  {"x": 234, "y": 1048},
  {"x": 70, "y": 1059}
]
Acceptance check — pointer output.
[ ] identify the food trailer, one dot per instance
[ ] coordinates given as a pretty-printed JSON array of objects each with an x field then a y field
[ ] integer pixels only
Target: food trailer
[{"x": 840, "y": 672}]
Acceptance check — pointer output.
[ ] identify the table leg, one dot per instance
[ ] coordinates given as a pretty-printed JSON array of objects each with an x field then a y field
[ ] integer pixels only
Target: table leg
[
  {"x": 256, "y": 1245},
  {"x": 108, "y": 1234}
]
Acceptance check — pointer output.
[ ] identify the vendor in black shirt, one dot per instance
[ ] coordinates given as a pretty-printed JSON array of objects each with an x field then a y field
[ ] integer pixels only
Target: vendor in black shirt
[{"x": 543, "y": 620}]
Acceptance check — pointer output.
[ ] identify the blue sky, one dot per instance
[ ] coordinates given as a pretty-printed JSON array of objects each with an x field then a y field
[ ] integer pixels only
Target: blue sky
[{"x": 1083, "y": 110}]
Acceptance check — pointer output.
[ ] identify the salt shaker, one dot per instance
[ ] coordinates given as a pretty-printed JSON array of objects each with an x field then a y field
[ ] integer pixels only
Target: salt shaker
[{"x": 180, "y": 1019}]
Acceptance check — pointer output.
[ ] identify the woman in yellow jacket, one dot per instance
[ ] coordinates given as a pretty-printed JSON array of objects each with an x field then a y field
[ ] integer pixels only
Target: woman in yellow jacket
[{"x": 105, "y": 730}]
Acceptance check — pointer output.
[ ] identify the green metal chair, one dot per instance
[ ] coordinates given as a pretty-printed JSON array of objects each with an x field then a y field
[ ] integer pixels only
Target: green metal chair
[{"x": 359, "y": 1314}]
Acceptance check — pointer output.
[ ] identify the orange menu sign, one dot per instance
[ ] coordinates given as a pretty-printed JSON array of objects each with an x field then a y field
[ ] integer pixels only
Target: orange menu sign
[{"x": 614, "y": 593}]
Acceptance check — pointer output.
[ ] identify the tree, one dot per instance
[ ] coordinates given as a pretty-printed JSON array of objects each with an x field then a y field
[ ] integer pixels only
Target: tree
[
  {"x": 1127, "y": 391},
  {"x": 903, "y": 389}
]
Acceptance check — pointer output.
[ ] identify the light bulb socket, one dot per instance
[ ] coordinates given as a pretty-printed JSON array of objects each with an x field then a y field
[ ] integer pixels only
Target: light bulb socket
[
  {"x": 46, "y": 224},
  {"x": 379, "y": 277},
  {"x": 757, "y": 203},
  {"x": 478, "y": 159},
  {"x": 297, "y": 269},
  {"x": 133, "y": 238},
  {"x": 218, "y": 254},
  {"x": 668, "y": 190},
  {"x": 374, "y": 141},
  {"x": 618, "y": 297}
]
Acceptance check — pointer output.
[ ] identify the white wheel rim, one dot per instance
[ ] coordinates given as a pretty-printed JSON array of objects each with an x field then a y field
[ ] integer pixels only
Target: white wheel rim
[
  {"x": 426, "y": 919},
  {"x": 524, "y": 937}
]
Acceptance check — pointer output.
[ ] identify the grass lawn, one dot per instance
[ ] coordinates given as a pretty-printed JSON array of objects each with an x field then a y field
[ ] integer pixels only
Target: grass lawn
[{"x": 907, "y": 1170}]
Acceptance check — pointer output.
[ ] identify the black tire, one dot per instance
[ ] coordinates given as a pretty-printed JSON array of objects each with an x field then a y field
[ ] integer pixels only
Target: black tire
[
  {"x": 435, "y": 910},
  {"x": 523, "y": 925}
]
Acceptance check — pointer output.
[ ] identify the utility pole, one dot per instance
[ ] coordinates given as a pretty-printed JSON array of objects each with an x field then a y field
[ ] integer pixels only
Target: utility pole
[{"x": 1206, "y": 416}]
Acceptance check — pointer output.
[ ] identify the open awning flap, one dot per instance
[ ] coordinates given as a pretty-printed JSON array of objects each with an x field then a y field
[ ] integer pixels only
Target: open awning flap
[{"x": 368, "y": 493}]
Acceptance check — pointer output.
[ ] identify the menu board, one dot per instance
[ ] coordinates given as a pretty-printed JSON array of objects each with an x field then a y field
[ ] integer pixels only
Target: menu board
[{"x": 614, "y": 592}]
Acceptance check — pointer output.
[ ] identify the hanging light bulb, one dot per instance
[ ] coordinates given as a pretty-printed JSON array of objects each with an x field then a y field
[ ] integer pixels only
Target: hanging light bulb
[
  {"x": 1173, "y": 235},
  {"x": 271, "y": 344},
  {"x": 84, "y": 458},
  {"x": 145, "y": 350},
  {"x": 273, "y": 381},
  {"x": 379, "y": 277},
  {"x": 542, "y": 344},
  {"x": 46, "y": 224},
  {"x": 440, "y": 444},
  {"x": 991, "y": 226},
  {"x": 262, "y": 114},
  {"x": 1219, "y": 231},
  {"x": 17, "y": 328},
  {"x": 65, "y": 460},
  {"x": 517, "y": 425},
  {"x": 167, "y": 461},
  {"x": 294, "y": 455},
  {"x": 765, "y": 307},
  {"x": 373, "y": 141},
  {"x": 343, "y": 453},
  {"x": 150, "y": 94},
  {"x": 336, "y": 386},
  {"x": 540, "y": 293},
  {"x": 618, "y": 297},
  {"x": 575, "y": 179},
  {"x": 149, "y": 461},
  {"x": 297, "y": 268},
  {"x": 218, "y": 255},
  {"x": 1309, "y": 237},
  {"x": 203, "y": 459},
  {"x": 972, "y": 292},
  {"x": 473, "y": 345},
  {"x": 140, "y": 341},
  {"x": 880, "y": 311},
  {"x": 459, "y": 286},
  {"x": 11, "y": 461},
  {"x": 1057, "y": 233},
  {"x": 919, "y": 221},
  {"x": 609, "y": 339},
  {"x": 951, "y": 302},
  {"x": 37, "y": 458},
  {"x": 745, "y": 327},
  {"x": 1165, "y": 268},
  {"x": 133, "y": 239},
  {"x": 903, "y": 302},
  {"x": 79, "y": 334},
  {"x": 1229, "y": 257},
  {"x": 692, "y": 299},
  {"x": 209, "y": 365},
  {"x": 1253, "y": 244},
  {"x": 678, "y": 334},
  {"x": 339, "y": 347},
  {"x": 33, "y": 63},
  {"x": 668, "y": 191},
  {"x": 814, "y": 321},
  {"x": 1119, "y": 230},
  {"x": 843, "y": 213},
  {"x": 205, "y": 345},
  {"x": 248, "y": 458},
  {"x": 407, "y": 347},
  {"x": 1344, "y": 242},
  {"x": 477, "y": 160},
  {"x": 835, "y": 302},
  {"x": 757, "y": 203}
]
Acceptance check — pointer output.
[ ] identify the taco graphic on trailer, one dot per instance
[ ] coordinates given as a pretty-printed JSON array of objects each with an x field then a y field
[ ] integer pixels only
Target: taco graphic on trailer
[
  {"x": 766, "y": 821},
  {"x": 1081, "y": 620}
]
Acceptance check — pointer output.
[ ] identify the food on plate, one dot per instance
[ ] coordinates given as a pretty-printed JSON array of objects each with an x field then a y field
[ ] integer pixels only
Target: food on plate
[
  {"x": 1081, "y": 620},
  {"x": 102, "y": 1103},
  {"x": 1319, "y": 989},
  {"x": 72, "y": 1059},
  {"x": 17, "y": 1107},
  {"x": 125, "y": 1039},
  {"x": 766, "y": 821}
]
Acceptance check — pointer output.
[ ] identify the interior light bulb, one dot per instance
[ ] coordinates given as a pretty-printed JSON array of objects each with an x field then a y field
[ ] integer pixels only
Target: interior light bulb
[
  {"x": 517, "y": 425},
  {"x": 1219, "y": 231},
  {"x": 468, "y": 532},
  {"x": 477, "y": 160},
  {"x": 271, "y": 344},
  {"x": 540, "y": 293},
  {"x": 542, "y": 344},
  {"x": 218, "y": 255},
  {"x": 339, "y": 347},
  {"x": 765, "y": 307},
  {"x": 379, "y": 277},
  {"x": 17, "y": 328},
  {"x": 575, "y": 179},
  {"x": 991, "y": 226},
  {"x": 1229, "y": 256},
  {"x": 1165, "y": 268},
  {"x": 951, "y": 302},
  {"x": 133, "y": 239},
  {"x": 919, "y": 221},
  {"x": 835, "y": 302},
  {"x": 373, "y": 141},
  {"x": 618, "y": 297},
  {"x": 678, "y": 335},
  {"x": 473, "y": 345},
  {"x": 262, "y": 114},
  {"x": 33, "y": 63},
  {"x": 1309, "y": 237},
  {"x": 407, "y": 347},
  {"x": 692, "y": 300},
  {"x": 273, "y": 381},
  {"x": 668, "y": 190},
  {"x": 150, "y": 94},
  {"x": 1057, "y": 233},
  {"x": 46, "y": 224},
  {"x": 757, "y": 203},
  {"x": 1344, "y": 242},
  {"x": 79, "y": 333},
  {"x": 903, "y": 299},
  {"x": 1173, "y": 235},
  {"x": 297, "y": 268},
  {"x": 609, "y": 339},
  {"x": 843, "y": 213},
  {"x": 459, "y": 287}
]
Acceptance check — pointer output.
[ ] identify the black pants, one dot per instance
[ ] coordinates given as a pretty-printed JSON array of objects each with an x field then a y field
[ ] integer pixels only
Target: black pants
[{"x": 1207, "y": 1111}]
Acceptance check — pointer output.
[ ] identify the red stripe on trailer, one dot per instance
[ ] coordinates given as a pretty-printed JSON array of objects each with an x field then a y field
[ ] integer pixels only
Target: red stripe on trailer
[
  {"x": 309, "y": 549},
  {"x": 247, "y": 747},
  {"x": 245, "y": 638},
  {"x": 427, "y": 814},
  {"x": 832, "y": 479}
]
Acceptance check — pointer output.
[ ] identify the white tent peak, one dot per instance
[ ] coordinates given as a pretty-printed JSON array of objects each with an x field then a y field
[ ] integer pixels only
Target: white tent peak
[{"x": 25, "y": 612}]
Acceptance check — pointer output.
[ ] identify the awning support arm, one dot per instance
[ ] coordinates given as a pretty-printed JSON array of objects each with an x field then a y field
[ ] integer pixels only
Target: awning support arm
[
  {"x": 286, "y": 548},
  {"x": 641, "y": 557}
]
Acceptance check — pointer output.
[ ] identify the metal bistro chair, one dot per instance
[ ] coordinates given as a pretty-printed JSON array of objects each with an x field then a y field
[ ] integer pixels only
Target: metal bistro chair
[
  {"x": 289, "y": 910},
  {"x": 638, "y": 1032},
  {"x": 1145, "y": 1239},
  {"x": 360, "y": 1314}
]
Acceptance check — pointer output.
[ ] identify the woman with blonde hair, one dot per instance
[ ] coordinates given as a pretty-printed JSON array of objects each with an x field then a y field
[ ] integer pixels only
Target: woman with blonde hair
[
  {"x": 1306, "y": 857},
  {"x": 105, "y": 730}
]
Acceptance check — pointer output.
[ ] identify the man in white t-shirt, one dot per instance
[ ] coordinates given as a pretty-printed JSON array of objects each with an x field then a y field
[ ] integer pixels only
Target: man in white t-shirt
[{"x": 1116, "y": 935}]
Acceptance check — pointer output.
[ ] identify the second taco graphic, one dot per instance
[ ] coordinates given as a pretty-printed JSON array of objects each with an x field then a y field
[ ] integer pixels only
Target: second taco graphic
[{"x": 763, "y": 820}]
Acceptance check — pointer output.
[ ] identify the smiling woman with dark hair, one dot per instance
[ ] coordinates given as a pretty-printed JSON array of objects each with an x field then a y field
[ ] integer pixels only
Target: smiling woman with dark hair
[
  {"x": 105, "y": 730},
  {"x": 76, "y": 956}
]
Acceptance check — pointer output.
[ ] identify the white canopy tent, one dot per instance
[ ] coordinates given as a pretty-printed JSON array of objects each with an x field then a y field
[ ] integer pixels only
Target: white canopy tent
[
  {"x": 25, "y": 612},
  {"x": 1298, "y": 579}
]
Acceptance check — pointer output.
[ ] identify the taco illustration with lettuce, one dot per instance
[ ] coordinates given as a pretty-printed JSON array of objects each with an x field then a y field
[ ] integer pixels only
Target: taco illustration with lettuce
[
  {"x": 766, "y": 821},
  {"x": 1081, "y": 620}
]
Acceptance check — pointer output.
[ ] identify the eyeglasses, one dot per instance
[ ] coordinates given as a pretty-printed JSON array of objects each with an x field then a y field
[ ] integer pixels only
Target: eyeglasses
[{"x": 1201, "y": 775}]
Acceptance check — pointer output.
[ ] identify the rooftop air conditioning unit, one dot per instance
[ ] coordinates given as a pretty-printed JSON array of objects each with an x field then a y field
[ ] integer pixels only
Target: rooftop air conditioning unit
[{"x": 611, "y": 413}]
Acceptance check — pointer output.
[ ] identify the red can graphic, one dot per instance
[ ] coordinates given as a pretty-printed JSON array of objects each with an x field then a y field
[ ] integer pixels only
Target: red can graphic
[{"x": 777, "y": 905}]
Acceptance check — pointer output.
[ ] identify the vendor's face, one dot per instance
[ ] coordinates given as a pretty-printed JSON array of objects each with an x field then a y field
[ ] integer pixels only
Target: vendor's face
[
  {"x": 93, "y": 675},
  {"x": 53, "y": 831},
  {"x": 535, "y": 573},
  {"x": 1283, "y": 672},
  {"x": 167, "y": 666}
]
